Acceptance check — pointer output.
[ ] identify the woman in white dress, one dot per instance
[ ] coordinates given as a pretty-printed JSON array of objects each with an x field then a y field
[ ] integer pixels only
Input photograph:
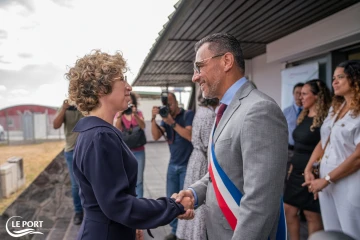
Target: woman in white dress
[{"x": 339, "y": 184}]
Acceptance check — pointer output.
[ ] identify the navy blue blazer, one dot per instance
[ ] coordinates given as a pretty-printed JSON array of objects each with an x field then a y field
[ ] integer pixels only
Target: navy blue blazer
[{"x": 106, "y": 171}]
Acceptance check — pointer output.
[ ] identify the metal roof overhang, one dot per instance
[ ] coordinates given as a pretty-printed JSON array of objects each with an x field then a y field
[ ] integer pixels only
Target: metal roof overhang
[{"x": 253, "y": 23}]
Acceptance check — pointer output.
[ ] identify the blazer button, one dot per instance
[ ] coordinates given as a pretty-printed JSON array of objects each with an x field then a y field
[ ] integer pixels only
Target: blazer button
[{"x": 343, "y": 125}]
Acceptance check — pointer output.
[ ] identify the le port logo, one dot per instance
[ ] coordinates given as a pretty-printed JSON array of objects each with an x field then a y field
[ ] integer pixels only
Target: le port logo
[{"x": 22, "y": 227}]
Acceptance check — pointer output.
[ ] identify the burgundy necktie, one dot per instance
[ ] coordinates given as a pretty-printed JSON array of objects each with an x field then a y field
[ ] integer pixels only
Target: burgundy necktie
[{"x": 220, "y": 112}]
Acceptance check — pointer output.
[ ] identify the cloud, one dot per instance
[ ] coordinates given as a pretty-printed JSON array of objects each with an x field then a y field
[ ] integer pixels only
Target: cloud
[
  {"x": 64, "y": 3},
  {"x": 2, "y": 61},
  {"x": 2, "y": 88},
  {"x": 17, "y": 96},
  {"x": 19, "y": 92},
  {"x": 25, "y": 55},
  {"x": 3, "y": 34},
  {"x": 36, "y": 47},
  {"x": 33, "y": 84},
  {"x": 32, "y": 76},
  {"x": 27, "y": 4}
]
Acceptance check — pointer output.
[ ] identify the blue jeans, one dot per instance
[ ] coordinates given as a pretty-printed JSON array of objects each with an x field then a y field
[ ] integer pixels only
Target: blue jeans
[
  {"x": 174, "y": 184},
  {"x": 140, "y": 157},
  {"x": 69, "y": 156}
]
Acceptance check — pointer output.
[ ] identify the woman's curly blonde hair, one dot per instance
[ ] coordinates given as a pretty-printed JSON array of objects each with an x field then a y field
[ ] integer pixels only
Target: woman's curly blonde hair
[
  {"x": 93, "y": 76},
  {"x": 352, "y": 71},
  {"x": 322, "y": 105}
]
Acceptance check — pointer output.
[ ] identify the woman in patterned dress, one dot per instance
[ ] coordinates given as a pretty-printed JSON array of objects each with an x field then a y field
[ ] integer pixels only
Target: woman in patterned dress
[{"x": 198, "y": 166}]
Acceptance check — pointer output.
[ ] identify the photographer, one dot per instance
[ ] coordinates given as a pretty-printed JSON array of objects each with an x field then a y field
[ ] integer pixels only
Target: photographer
[
  {"x": 129, "y": 121},
  {"x": 69, "y": 115},
  {"x": 177, "y": 124}
]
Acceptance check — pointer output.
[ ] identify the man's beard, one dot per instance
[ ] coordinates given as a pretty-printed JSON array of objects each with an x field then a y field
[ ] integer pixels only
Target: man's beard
[{"x": 212, "y": 90}]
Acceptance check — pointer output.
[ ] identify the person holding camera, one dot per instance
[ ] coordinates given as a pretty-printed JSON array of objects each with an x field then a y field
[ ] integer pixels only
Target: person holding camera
[
  {"x": 128, "y": 122},
  {"x": 177, "y": 125},
  {"x": 69, "y": 115}
]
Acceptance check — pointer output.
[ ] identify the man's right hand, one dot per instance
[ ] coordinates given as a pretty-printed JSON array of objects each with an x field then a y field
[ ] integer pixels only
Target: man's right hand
[
  {"x": 155, "y": 111},
  {"x": 180, "y": 197},
  {"x": 184, "y": 193},
  {"x": 65, "y": 104}
]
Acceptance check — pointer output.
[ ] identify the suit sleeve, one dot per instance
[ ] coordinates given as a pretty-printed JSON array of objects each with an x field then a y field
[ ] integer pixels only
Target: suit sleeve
[
  {"x": 264, "y": 151},
  {"x": 200, "y": 188},
  {"x": 104, "y": 168}
]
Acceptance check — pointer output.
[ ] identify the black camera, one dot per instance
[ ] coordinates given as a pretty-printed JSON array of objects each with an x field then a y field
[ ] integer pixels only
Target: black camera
[
  {"x": 164, "y": 109},
  {"x": 128, "y": 111}
]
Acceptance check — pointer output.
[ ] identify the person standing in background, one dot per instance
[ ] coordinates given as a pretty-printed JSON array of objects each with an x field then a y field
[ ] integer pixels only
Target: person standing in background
[
  {"x": 338, "y": 185},
  {"x": 69, "y": 115},
  {"x": 129, "y": 119},
  {"x": 198, "y": 165},
  {"x": 292, "y": 113},
  {"x": 177, "y": 125},
  {"x": 316, "y": 100}
]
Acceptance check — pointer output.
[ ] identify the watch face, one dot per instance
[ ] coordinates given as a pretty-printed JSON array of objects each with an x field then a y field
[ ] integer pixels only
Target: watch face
[{"x": 327, "y": 177}]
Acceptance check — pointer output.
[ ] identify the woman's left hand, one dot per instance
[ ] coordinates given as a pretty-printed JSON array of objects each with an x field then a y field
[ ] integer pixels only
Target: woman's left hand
[
  {"x": 318, "y": 185},
  {"x": 139, "y": 234}
]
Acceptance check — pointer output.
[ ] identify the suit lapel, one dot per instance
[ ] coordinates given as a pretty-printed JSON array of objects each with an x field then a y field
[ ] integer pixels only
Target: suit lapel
[{"x": 235, "y": 103}]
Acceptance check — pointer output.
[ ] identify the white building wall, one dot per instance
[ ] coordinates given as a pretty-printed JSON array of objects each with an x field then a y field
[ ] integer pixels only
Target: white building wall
[
  {"x": 145, "y": 106},
  {"x": 336, "y": 31},
  {"x": 267, "y": 77}
]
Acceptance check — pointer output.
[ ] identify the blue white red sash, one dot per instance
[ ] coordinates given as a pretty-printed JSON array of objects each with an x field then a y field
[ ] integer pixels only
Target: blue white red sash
[{"x": 228, "y": 196}]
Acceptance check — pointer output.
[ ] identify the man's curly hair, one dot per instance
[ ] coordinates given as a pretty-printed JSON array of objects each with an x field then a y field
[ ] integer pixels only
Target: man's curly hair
[
  {"x": 92, "y": 77},
  {"x": 322, "y": 105},
  {"x": 352, "y": 72}
]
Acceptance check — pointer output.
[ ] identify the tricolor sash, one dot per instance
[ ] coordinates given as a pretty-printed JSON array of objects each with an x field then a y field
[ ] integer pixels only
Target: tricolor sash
[{"x": 228, "y": 195}]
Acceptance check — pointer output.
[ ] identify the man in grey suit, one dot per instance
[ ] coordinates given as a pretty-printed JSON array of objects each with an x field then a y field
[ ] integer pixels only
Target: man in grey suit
[{"x": 247, "y": 153}]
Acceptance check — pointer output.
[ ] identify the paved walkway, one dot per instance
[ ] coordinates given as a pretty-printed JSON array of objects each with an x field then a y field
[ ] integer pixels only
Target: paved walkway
[{"x": 48, "y": 199}]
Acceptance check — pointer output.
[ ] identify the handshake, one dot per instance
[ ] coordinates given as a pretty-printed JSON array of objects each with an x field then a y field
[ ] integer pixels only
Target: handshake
[{"x": 186, "y": 198}]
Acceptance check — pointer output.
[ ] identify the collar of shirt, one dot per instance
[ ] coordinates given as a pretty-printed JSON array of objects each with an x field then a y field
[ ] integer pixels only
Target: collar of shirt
[
  {"x": 230, "y": 93},
  {"x": 296, "y": 107}
]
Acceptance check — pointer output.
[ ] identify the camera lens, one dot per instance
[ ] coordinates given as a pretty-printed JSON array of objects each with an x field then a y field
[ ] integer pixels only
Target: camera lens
[
  {"x": 164, "y": 111},
  {"x": 128, "y": 111}
]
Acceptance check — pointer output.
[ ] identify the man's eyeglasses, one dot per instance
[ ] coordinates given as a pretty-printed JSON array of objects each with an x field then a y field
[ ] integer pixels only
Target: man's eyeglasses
[{"x": 199, "y": 64}]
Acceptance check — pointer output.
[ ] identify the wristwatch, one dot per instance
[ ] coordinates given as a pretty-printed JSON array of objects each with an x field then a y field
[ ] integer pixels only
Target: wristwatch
[
  {"x": 173, "y": 125},
  {"x": 327, "y": 178}
]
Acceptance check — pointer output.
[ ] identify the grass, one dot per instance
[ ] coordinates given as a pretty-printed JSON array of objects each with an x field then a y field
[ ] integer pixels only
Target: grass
[{"x": 36, "y": 158}]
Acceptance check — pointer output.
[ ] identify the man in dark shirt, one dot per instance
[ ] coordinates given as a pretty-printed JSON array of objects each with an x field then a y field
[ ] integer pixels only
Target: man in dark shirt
[{"x": 177, "y": 126}]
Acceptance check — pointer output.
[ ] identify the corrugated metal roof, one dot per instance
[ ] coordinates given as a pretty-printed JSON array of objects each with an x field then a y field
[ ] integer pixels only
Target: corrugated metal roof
[{"x": 253, "y": 23}]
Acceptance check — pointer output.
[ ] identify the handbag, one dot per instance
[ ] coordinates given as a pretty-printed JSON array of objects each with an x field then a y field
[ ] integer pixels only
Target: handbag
[
  {"x": 316, "y": 165},
  {"x": 133, "y": 137}
]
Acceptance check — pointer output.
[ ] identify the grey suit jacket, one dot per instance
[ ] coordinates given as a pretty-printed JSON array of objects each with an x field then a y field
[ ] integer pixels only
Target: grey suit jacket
[{"x": 251, "y": 147}]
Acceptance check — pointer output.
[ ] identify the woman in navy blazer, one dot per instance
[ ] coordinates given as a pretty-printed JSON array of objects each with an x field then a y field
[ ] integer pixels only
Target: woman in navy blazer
[{"x": 104, "y": 167}]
